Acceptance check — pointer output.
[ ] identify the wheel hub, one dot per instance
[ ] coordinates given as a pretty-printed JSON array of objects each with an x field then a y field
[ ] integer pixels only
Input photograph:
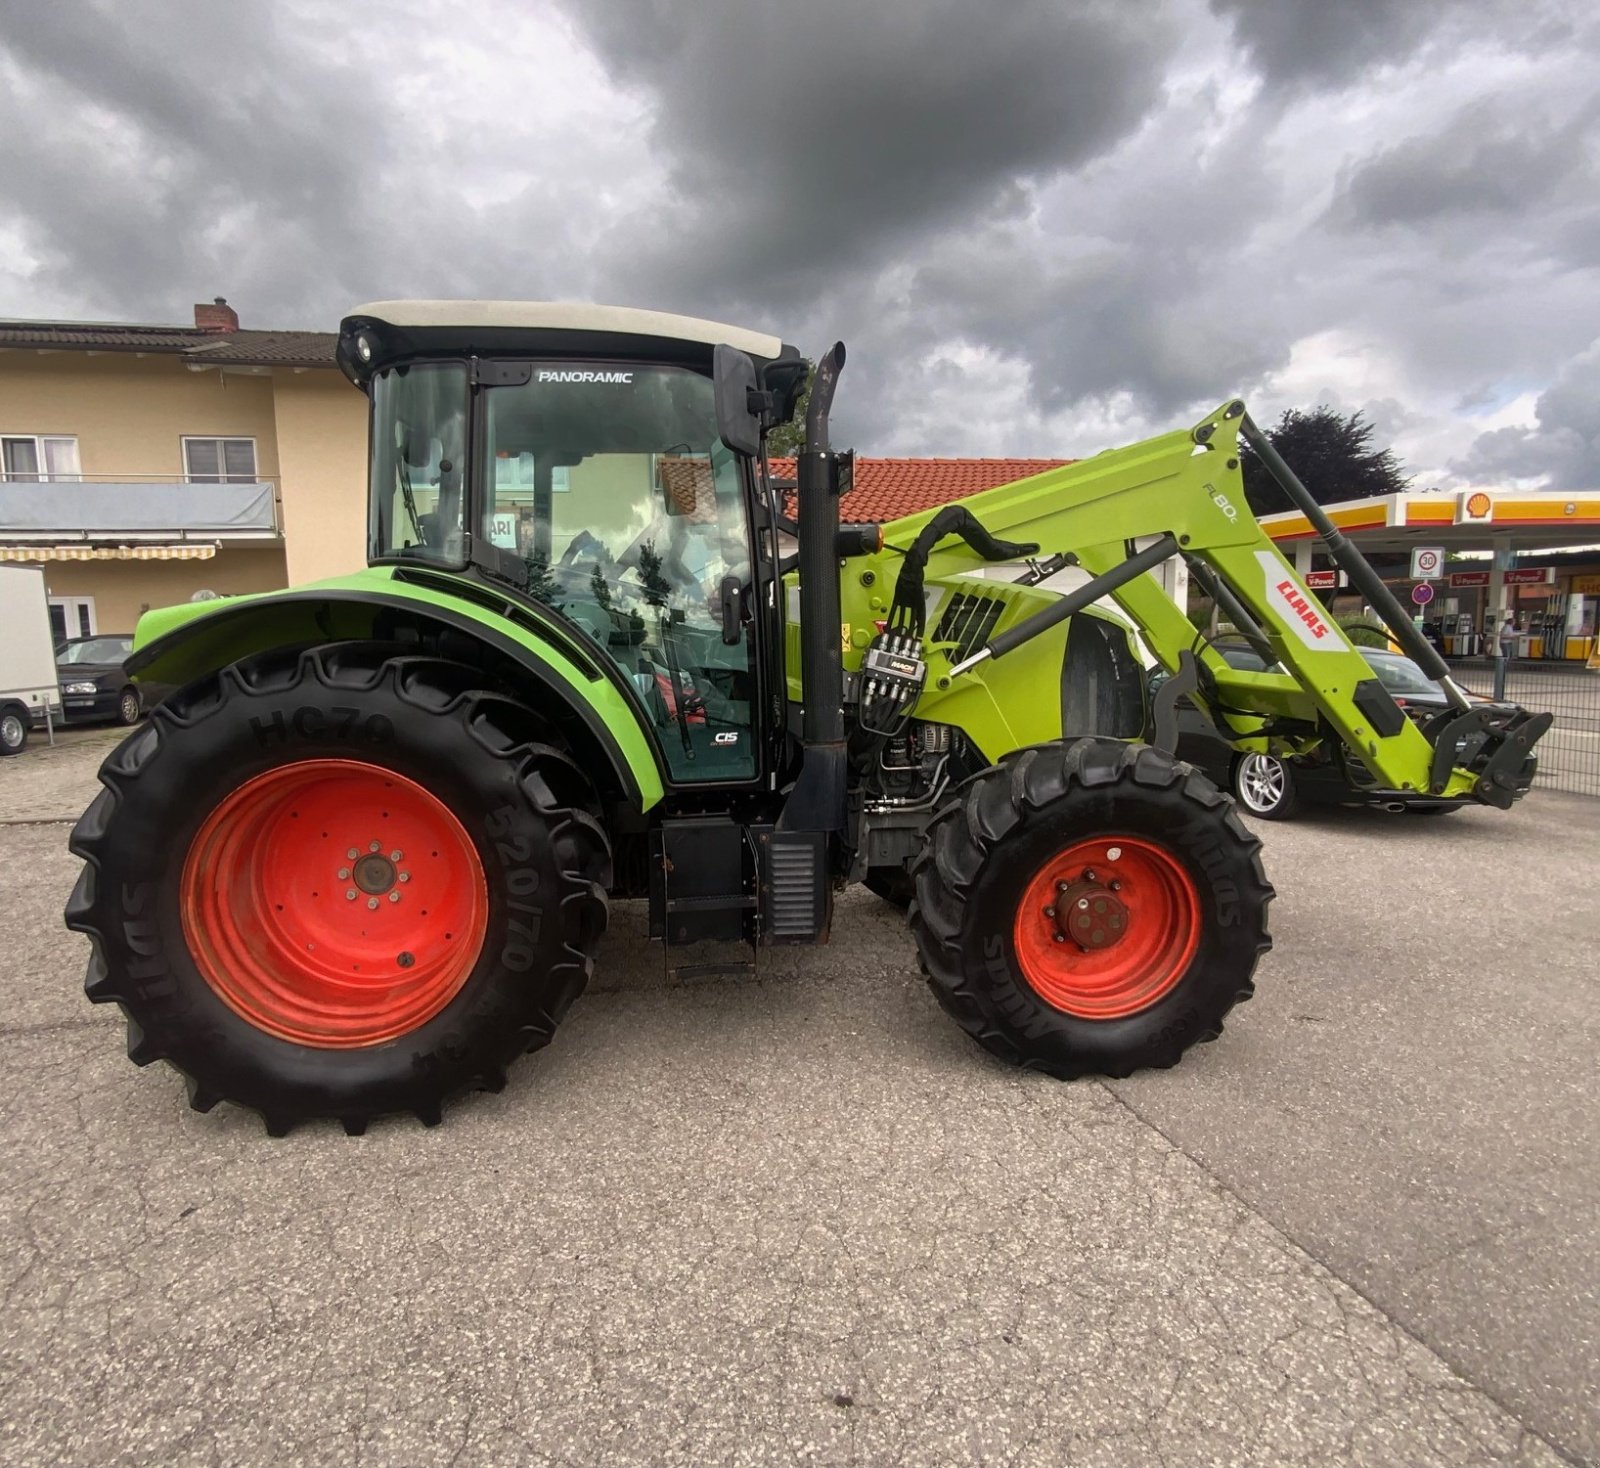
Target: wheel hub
[
  {"x": 374, "y": 874},
  {"x": 1090, "y": 915}
]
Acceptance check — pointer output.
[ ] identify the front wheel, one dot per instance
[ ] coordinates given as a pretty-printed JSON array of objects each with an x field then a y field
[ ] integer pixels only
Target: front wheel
[
  {"x": 129, "y": 709},
  {"x": 1090, "y": 908},
  {"x": 340, "y": 884},
  {"x": 1265, "y": 786}
]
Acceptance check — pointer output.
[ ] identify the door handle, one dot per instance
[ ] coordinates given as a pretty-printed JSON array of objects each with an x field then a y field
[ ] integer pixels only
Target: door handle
[{"x": 732, "y": 591}]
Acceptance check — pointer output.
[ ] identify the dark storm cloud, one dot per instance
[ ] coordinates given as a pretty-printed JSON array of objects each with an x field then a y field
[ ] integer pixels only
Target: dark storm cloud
[
  {"x": 297, "y": 157},
  {"x": 1328, "y": 43},
  {"x": 806, "y": 140},
  {"x": 1563, "y": 446},
  {"x": 1042, "y": 227},
  {"x": 1488, "y": 159},
  {"x": 143, "y": 145}
]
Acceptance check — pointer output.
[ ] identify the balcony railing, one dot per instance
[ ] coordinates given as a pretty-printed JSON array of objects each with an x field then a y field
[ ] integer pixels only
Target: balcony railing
[{"x": 130, "y": 508}]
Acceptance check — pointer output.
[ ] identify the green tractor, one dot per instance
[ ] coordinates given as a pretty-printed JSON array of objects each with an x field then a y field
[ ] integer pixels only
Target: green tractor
[{"x": 361, "y": 860}]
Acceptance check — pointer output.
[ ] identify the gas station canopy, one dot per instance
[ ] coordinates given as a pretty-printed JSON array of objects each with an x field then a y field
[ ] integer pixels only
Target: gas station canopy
[{"x": 1476, "y": 519}]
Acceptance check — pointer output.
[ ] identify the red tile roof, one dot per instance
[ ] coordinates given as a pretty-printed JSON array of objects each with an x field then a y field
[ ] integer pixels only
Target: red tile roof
[{"x": 886, "y": 489}]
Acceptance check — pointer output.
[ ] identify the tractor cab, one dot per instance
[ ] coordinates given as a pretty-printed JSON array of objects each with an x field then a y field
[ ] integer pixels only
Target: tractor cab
[{"x": 603, "y": 464}]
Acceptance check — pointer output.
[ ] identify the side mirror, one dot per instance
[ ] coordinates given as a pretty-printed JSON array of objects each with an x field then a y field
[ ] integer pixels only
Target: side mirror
[{"x": 734, "y": 376}]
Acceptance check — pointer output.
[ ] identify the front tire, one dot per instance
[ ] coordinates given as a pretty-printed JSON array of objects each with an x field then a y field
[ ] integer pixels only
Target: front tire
[
  {"x": 249, "y": 948},
  {"x": 129, "y": 708},
  {"x": 1266, "y": 786},
  {"x": 1090, "y": 908}
]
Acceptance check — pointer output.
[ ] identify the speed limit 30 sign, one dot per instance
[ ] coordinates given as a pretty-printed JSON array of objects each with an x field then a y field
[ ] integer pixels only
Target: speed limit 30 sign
[{"x": 1427, "y": 562}]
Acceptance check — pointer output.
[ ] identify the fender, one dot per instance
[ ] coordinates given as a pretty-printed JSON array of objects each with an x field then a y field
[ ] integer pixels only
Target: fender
[{"x": 180, "y": 644}]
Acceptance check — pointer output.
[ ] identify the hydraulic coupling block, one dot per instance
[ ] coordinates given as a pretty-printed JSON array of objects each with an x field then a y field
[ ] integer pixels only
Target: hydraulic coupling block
[{"x": 892, "y": 675}]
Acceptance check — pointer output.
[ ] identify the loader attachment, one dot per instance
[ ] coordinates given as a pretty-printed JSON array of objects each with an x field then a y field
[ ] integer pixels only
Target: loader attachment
[{"x": 1122, "y": 513}]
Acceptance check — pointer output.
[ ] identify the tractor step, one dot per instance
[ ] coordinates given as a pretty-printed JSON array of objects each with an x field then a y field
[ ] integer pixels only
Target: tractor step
[{"x": 713, "y": 880}]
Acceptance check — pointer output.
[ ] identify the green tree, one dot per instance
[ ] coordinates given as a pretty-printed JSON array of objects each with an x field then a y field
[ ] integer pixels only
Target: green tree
[
  {"x": 541, "y": 584},
  {"x": 656, "y": 586},
  {"x": 1333, "y": 455},
  {"x": 787, "y": 439}
]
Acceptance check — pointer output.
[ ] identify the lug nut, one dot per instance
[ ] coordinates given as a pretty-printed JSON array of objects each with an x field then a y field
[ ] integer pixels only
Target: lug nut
[
  {"x": 375, "y": 846},
  {"x": 1061, "y": 886},
  {"x": 1059, "y": 938},
  {"x": 1049, "y": 912},
  {"x": 352, "y": 853},
  {"x": 350, "y": 895},
  {"x": 396, "y": 856},
  {"x": 344, "y": 874},
  {"x": 1083, "y": 902},
  {"x": 1088, "y": 874},
  {"x": 372, "y": 903},
  {"x": 1116, "y": 886},
  {"x": 394, "y": 897},
  {"x": 405, "y": 876}
]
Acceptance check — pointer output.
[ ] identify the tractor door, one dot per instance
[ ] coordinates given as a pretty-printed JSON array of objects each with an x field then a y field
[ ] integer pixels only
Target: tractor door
[{"x": 610, "y": 482}]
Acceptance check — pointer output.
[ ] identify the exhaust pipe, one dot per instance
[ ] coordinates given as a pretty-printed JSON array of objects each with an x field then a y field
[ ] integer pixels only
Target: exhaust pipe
[{"x": 817, "y": 802}]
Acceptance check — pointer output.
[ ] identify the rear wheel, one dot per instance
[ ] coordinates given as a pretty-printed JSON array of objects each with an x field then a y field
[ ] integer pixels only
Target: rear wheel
[
  {"x": 340, "y": 884},
  {"x": 13, "y": 730},
  {"x": 1093, "y": 907},
  {"x": 1265, "y": 786}
]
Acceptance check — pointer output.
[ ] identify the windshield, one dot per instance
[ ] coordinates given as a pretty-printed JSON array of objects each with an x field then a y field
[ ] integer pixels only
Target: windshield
[
  {"x": 612, "y": 486},
  {"x": 95, "y": 650},
  {"x": 1401, "y": 675},
  {"x": 419, "y": 428}
]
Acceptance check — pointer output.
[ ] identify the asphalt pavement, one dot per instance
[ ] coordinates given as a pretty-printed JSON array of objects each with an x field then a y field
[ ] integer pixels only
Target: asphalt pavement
[{"x": 802, "y": 1219}]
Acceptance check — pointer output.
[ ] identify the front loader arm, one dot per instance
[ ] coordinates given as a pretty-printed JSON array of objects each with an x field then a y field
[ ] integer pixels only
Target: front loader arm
[{"x": 1189, "y": 486}]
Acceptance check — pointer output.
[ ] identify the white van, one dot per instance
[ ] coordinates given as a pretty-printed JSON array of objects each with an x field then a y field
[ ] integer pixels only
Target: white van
[{"x": 28, "y": 690}]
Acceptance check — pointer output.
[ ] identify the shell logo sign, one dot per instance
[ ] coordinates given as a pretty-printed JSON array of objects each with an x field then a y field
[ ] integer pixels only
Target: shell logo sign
[{"x": 1476, "y": 506}]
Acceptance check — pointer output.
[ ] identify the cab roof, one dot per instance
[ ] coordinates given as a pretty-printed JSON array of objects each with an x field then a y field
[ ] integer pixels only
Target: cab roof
[{"x": 573, "y": 316}]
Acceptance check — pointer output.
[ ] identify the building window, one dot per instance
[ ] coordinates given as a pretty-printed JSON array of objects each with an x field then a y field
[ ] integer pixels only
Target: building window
[
  {"x": 33, "y": 457},
  {"x": 219, "y": 460},
  {"x": 72, "y": 616}
]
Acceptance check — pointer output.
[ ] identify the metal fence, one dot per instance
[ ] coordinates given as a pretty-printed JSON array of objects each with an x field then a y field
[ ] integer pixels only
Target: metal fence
[{"x": 1569, "y": 755}]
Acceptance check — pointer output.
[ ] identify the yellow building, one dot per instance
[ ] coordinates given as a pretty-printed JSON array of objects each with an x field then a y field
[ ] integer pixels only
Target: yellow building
[{"x": 143, "y": 465}]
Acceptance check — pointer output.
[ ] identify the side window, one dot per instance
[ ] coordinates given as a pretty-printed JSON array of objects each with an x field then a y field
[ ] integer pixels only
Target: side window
[{"x": 419, "y": 429}]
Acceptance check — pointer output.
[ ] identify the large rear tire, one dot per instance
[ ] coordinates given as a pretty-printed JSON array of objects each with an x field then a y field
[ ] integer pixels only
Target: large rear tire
[
  {"x": 1090, "y": 908},
  {"x": 340, "y": 883}
]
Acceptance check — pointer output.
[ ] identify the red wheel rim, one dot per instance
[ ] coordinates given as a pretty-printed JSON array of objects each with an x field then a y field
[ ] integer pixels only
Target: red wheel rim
[
  {"x": 318, "y": 946},
  {"x": 1107, "y": 927}
]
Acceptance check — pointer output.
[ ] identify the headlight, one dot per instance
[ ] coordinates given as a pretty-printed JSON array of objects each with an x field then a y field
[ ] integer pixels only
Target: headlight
[{"x": 80, "y": 688}]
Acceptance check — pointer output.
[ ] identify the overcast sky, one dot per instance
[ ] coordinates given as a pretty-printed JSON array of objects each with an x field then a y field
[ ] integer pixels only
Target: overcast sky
[{"x": 1041, "y": 228}]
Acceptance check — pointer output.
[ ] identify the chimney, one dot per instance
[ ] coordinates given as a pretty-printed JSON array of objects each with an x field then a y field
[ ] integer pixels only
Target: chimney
[{"x": 218, "y": 316}]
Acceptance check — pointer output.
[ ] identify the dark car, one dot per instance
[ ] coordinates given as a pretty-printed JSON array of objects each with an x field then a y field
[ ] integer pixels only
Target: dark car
[
  {"x": 93, "y": 685},
  {"x": 1274, "y": 788}
]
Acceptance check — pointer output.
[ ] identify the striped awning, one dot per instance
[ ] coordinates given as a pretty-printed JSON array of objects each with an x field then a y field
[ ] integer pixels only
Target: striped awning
[{"x": 107, "y": 552}]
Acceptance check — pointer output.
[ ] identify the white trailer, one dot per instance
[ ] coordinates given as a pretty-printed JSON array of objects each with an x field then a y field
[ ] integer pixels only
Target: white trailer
[{"x": 29, "y": 693}]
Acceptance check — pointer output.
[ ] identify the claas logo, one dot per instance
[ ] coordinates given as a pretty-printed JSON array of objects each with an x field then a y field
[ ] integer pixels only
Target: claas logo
[{"x": 1302, "y": 609}]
